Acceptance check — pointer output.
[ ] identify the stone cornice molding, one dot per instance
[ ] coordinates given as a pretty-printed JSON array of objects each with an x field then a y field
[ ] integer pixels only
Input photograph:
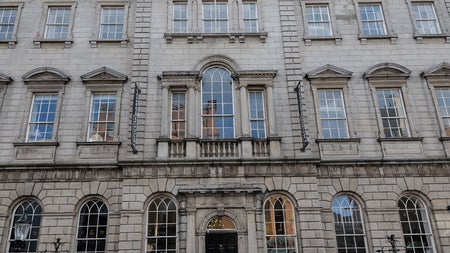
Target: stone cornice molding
[
  {"x": 45, "y": 75},
  {"x": 104, "y": 75}
]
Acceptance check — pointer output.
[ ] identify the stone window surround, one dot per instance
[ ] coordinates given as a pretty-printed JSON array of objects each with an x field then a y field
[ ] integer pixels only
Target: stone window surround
[
  {"x": 391, "y": 75},
  {"x": 102, "y": 80},
  {"x": 336, "y": 37},
  {"x": 438, "y": 77},
  {"x": 442, "y": 17},
  {"x": 195, "y": 26},
  {"x": 389, "y": 30},
  {"x": 19, "y": 5},
  {"x": 98, "y": 10},
  {"x": 39, "y": 39},
  {"x": 331, "y": 77}
]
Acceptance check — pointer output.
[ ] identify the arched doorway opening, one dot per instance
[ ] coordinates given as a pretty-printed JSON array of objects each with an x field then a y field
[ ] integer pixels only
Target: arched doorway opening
[{"x": 221, "y": 235}]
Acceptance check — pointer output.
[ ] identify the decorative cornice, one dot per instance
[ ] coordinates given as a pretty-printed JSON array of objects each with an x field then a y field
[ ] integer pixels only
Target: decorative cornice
[
  {"x": 45, "y": 74},
  {"x": 102, "y": 75}
]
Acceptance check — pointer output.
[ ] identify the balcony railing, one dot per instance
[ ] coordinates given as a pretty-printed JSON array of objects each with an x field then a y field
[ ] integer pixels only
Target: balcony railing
[{"x": 231, "y": 148}]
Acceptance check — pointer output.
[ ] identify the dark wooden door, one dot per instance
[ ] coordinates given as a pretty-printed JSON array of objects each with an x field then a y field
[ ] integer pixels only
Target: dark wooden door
[{"x": 221, "y": 243}]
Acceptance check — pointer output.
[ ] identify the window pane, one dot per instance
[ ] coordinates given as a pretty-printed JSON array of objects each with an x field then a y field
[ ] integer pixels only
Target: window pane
[
  {"x": 42, "y": 117},
  {"x": 102, "y": 117},
  {"x": 415, "y": 224},
  {"x": 443, "y": 100},
  {"x": 318, "y": 18},
  {"x": 215, "y": 17},
  {"x": 425, "y": 17},
  {"x": 112, "y": 21},
  {"x": 33, "y": 212},
  {"x": 332, "y": 113},
  {"x": 161, "y": 232},
  {"x": 92, "y": 227},
  {"x": 392, "y": 113},
  {"x": 348, "y": 222},
  {"x": 257, "y": 114},
  {"x": 372, "y": 19},
  {"x": 58, "y": 19},
  {"x": 250, "y": 17},
  {"x": 7, "y": 21},
  {"x": 180, "y": 18},
  {"x": 217, "y": 104},
  {"x": 280, "y": 225}
]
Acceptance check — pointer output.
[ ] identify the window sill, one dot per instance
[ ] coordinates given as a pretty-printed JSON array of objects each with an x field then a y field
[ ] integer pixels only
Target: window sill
[
  {"x": 400, "y": 139},
  {"x": 67, "y": 42},
  {"x": 33, "y": 144},
  {"x": 339, "y": 140},
  {"x": 364, "y": 38},
  {"x": 123, "y": 42},
  {"x": 98, "y": 150},
  {"x": 98, "y": 143},
  {"x": 420, "y": 37},
  {"x": 11, "y": 43},
  {"x": 337, "y": 39},
  {"x": 198, "y": 37},
  {"x": 35, "y": 151}
]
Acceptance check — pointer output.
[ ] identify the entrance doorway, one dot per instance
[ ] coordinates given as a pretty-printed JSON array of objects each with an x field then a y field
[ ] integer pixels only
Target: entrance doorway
[
  {"x": 221, "y": 236},
  {"x": 221, "y": 243}
]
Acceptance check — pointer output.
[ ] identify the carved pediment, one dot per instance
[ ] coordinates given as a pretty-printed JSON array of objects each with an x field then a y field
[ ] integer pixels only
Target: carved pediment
[
  {"x": 441, "y": 70},
  {"x": 387, "y": 70},
  {"x": 5, "y": 80},
  {"x": 46, "y": 75},
  {"x": 329, "y": 71},
  {"x": 104, "y": 75}
]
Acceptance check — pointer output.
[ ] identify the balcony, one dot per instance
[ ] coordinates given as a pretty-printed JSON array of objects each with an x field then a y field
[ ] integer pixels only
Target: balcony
[{"x": 193, "y": 148}]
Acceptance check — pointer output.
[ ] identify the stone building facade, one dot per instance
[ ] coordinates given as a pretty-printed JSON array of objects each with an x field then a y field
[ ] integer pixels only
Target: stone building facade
[{"x": 225, "y": 126}]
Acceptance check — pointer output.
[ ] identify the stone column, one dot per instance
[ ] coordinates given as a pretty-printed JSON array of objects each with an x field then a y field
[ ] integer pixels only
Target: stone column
[
  {"x": 191, "y": 246},
  {"x": 251, "y": 224}
]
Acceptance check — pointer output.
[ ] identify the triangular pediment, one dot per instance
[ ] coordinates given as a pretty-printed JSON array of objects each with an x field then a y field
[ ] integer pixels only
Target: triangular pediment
[
  {"x": 440, "y": 70},
  {"x": 386, "y": 70},
  {"x": 4, "y": 79},
  {"x": 329, "y": 71},
  {"x": 104, "y": 75},
  {"x": 45, "y": 74}
]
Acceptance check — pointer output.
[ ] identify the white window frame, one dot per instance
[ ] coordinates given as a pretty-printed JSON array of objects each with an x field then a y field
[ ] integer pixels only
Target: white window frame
[
  {"x": 97, "y": 38},
  {"x": 346, "y": 220},
  {"x": 32, "y": 237},
  {"x": 90, "y": 136},
  {"x": 262, "y": 118},
  {"x": 149, "y": 247},
  {"x": 31, "y": 122},
  {"x": 331, "y": 119},
  {"x": 179, "y": 20},
  {"x": 334, "y": 34},
  {"x": 60, "y": 12},
  {"x": 245, "y": 28},
  {"x": 382, "y": 20},
  {"x": 442, "y": 18},
  {"x": 175, "y": 122},
  {"x": 434, "y": 20},
  {"x": 107, "y": 24},
  {"x": 425, "y": 221},
  {"x": 326, "y": 23},
  {"x": 400, "y": 116},
  {"x": 444, "y": 116},
  {"x": 216, "y": 20},
  {"x": 18, "y": 7}
]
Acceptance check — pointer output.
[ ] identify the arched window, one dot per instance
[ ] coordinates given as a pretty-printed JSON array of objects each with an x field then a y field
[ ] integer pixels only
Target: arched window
[
  {"x": 280, "y": 225},
  {"x": 162, "y": 226},
  {"x": 349, "y": 225},
  {"x": 217, "y": 104},
  {"x": 33, "y": 212},
  {"x": 92, "y": 226},
  {"x": 415, "y": 224}
]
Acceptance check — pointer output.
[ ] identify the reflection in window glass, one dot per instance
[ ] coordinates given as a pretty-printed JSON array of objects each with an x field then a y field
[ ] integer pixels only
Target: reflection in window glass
[
  {"x": 443, "y": 100},
  {"x": 425, "y": 18},
  {"x": 250, "y": 17},
  {"x": 372, "y": 19},
  {"x": 318, "y": 18},
  {"x": 257, "y": 114},
  {"x": 58, "y": 20},
  {"x": 180, "y": 18},
  {"x": 33, "y": 212},
  {"x": 102, "y": 117},
  {"x": 42, "y": 118},
  {"x": 7, "y": 21},
  {"x": 112, "y": 21},
  {"x": 92, "y": 225},
  {"x": 178, "y": 125},
  {"x": 162, "y": 226},
  {"x": 415, "y": 224},
  {"x": 393, "y": 115},
  {"x": 280, "y": 225},
  {"x": 217, "y": 104},
  {"x": 348, "y": 225},
  {"x": 332, "y": 113},
  {"x": 215, "y": 17}
]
